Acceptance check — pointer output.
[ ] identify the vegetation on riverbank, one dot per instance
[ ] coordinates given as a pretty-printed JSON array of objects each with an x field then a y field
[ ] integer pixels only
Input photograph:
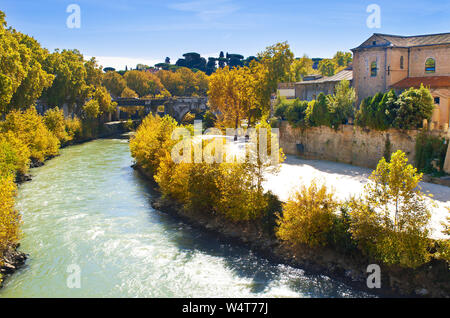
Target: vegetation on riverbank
[{"x": 388, "y": 224}]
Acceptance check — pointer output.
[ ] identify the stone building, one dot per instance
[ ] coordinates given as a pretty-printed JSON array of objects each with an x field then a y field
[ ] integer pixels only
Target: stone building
[
  {"x": 309, "y": 89},
  {"x": 385, "y": 62},
  {"x": 313, "y": 85}
]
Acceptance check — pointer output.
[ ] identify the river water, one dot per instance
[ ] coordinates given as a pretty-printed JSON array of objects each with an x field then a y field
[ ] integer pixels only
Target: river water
[{"x": 90, "y": 209}]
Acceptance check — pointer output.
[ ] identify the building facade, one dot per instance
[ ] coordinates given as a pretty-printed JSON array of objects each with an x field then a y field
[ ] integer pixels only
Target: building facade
[
  {"x": 385, "y": 62},
  {"x": 310, "y": 88},
  {"x": 313, "y": 85}
]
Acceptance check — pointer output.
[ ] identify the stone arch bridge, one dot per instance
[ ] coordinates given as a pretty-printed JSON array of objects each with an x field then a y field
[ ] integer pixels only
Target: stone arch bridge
[{"x": 177, "y": 107}]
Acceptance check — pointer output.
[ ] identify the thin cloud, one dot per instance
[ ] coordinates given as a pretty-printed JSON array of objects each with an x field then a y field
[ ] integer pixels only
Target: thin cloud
[{"x": 206, "y": 10}]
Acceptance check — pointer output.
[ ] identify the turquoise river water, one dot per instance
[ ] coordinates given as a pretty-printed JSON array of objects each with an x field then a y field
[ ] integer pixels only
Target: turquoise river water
[{"x": 89, "y": 208}]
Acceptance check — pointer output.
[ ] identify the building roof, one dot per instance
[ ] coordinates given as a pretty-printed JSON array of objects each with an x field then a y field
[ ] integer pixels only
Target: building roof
[
  {"x": 342, "y": 75},
  {"x": 427, "y": 81},
  {"x": 389, "y": 40}
]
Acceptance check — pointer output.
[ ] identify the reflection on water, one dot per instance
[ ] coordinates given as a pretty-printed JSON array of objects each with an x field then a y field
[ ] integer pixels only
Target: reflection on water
[{"x": 88, "y": 207}]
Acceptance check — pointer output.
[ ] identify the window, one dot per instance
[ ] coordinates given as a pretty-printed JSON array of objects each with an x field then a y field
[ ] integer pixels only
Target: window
[
  {"x": 437, "y": 100},
  {"x": 430, "y": 66},
  {"x": 373, "y": 69},
  {"x": 374, "y": 43},
  {"x": 401, "y": 63}
]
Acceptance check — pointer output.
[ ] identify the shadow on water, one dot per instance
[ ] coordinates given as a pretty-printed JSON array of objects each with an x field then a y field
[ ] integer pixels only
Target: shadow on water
[{"x": 242, "y": 261}]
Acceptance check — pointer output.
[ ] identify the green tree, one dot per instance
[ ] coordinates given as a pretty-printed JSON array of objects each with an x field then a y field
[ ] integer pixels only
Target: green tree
[
  {"x": 318, "y": 113},
  {"x": 143, "y": 83},
  {"x": 414, "y": 105},
  {"x": 390, "y": 222},
  {"x": 308, "y": 217},
  {"x": 327, "y": 67},
  {"x": 277, "y": 59},
  {"x": 342, "y": 103},
  {"x": 22, "y": 78},
  {"x": 342, "y": 58},
  {"x": 114, "y": 83},
  {"x": 300, "y": 67},
  {"x": 70, "y": 84}
]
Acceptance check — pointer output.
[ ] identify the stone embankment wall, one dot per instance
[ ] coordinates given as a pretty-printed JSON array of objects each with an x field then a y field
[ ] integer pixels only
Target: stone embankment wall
[{"x": 348, "y": 144}]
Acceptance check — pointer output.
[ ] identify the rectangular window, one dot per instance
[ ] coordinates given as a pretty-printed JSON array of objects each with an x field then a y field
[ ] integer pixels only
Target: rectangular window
[
  {"x": 373, "y": 69},
  {"x": 437, "y": 100}
]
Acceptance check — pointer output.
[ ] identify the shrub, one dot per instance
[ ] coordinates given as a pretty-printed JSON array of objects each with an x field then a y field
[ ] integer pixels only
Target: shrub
[
  {"x": 308, "y": 217},
  {"x": 240, "y": 199},
  {"x": 29, "y": 127},
  {"x": 270, "y": 215},
  {"x": 14, "y": 155},
  {"x": 281, "y": 107},
  {"x": 296, "y": 113},
  {"x": 428, "y": 148},
  {"x": 91, "y": 109},
  {"x": 378, "y": 112},
  {"x": 152, "y": 141},
  {"x": 55, "y": 122},
  {"x": 318, "y": 113},
  {"x": 188, "y": 119},
  {"x": 342, "y": 103},
  {"x": 390, "y": 222},
  {"x": 414, "y": 105},
  {"x": 209, "y": 120},
  {"x": 172, "y": 178},
  {"x": 340, "y": 236},
  {"x": 74, "y": 128},
  {"x": 9, "y": 217}
]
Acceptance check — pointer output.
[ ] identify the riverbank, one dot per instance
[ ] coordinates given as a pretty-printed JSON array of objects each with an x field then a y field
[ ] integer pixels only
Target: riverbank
[{"x": 429, "y": 280}]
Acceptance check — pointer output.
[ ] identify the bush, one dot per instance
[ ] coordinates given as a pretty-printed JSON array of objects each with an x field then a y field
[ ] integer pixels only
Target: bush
[
  {"x": 29, "y": 127},
  {"x": 342, "y": 103},
  {"x": 390, "y": 223},
  {"x": 318, "y": 113},
  {"x": 340, "y": 236},
  {"x": 296, "y": 113},
  {"x": 209, "y": 120},
  {"x": 14, "y": 155},
  {"x": 74, "y": 128},
  {"x": 414, "y": 105},
  {"x": 428, "y": 148},
  {"x": 152, "y": 141},
  {"x": 55, "y": 122},
  {"x": 9, "y": 217},
  {"x": 240, "y": 199},
  {"x": 407, "y": 111},
  {"x": 188, "y": 119},
  {"x": 308, "y": 217},
  {"x": 280, "y": 108}
]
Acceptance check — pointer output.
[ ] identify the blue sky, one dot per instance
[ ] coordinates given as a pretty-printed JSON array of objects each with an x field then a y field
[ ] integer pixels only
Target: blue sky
[{"x": 120, "y": 32}]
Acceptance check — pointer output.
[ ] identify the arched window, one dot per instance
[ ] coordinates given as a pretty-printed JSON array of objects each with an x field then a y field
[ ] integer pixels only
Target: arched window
[
  {"x": 430, "y": 66},
  {"x": 402, "y": 63},
  {"x": 373, "y": 69}
]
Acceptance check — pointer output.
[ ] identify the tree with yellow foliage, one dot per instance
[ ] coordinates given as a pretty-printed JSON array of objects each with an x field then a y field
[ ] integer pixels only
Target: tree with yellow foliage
[
  {"x": 55, "y": 122},
  {"x": 9, "y": 217},
  {"x": 391, "y": 221},
  {"x": 234, "y": 93},
  {"x": 308, "y": 217},
  {"x": 152, "y": 141},
  {"x": 30, "y": 128}
]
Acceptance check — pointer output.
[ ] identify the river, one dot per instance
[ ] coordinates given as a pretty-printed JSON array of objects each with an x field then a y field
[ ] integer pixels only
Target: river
[{"x": 89, "y": 208}]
